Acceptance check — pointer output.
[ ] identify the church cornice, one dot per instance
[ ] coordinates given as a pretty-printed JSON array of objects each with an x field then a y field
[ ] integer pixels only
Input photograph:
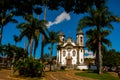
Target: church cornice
[{"x": 69, "y": 46}]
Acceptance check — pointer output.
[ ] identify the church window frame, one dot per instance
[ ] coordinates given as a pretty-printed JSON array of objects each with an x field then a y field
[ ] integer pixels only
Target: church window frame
[
  {"x": 68, "y": 49},
  {"x": 81, "y": 50},
  {"x": 81, "y": 39},
  {"x": 64, "y": 53},
  {"x": 74, "y": 53}
]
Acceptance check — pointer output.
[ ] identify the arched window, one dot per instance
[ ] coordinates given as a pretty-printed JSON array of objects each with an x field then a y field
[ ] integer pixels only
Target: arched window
[
  {"x": 64, "y": 53},
  {"x": 74, "y": 53},
  {"x": 81, "y": 39},
  {"x": 81, "y": 50}
]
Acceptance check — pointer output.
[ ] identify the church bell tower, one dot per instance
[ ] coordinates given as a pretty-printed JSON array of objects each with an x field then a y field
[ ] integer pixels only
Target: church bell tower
[
  {"x": 80, "y": 44},
  {"x": 61, "y": 37},
  {"x": 80, "y": 38}
]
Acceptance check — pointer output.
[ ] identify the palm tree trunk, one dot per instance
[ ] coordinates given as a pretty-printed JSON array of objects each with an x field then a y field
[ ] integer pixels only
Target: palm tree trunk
[
  {"x": 99, "y": 51},
  {"x": 45, "y": 8},
  {"x": 34, "y": 53},
  {"x": 34, "y": 50},
  {"x": 51, "y": 51},
  {"x": 1, "y": 35},
  {"x": 96, "y": 60},
  {"x": 26, "y": 49},
  {"x": 31, "y": 46},
  {"x": 100, "y": 57},
  {"x": 42, "y": 48},
  {"x": 1, "y": 42},
  {"x": 12, "y": 67}
]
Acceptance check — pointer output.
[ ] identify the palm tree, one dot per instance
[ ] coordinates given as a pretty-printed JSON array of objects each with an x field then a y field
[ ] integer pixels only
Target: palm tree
[
  {"x": 44, "y": 40},
  {"x": 98, "y": 18},
  {"x": 5, "y": 18},
  {"x": 92, "y": 43},
  {"x": 32, "y": 29},
  {"x": 92, "y": 36},
  {"x": 53, "y": 38}
]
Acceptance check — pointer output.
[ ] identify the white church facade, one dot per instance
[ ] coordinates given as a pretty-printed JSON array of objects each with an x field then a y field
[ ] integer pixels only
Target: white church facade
[{"x": 70, "y": 52}]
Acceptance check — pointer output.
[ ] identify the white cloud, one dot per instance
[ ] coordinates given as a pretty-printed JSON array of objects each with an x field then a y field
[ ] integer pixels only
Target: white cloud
[{"x": 63, "y": 16}]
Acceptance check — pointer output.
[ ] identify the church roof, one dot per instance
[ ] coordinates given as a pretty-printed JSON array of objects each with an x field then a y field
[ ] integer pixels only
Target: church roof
[
  {"x": 69, "y": 42},
  {"x": 61, "y": 33},
  {"x": 79, "y": 31}
]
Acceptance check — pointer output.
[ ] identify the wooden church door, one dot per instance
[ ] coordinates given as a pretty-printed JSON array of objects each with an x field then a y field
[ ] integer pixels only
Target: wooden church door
[{"x": 69, "y": 62}]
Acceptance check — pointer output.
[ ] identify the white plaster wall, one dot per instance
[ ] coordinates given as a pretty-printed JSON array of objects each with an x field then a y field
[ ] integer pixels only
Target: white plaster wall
[
  {"x": 63, "y": 61},
  {"x": 81, "y": 67},
  {"x": 63, "y": 58},
  {"x": 74, "y": 60},
  {"x": 59, "y": 55},
  {"x": 81, "y": 56}
]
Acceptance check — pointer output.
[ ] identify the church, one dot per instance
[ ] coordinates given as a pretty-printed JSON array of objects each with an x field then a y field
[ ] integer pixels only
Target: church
[{"x": 69, "y": 52}]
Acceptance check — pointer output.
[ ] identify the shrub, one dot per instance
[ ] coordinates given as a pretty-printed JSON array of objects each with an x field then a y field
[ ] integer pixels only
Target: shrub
[
  {"x": 63, "y": 67},
  {"x": 29, "y": 67}
]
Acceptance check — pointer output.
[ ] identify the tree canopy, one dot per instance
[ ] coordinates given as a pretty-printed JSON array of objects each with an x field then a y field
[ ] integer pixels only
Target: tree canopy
[{"x": 29, "y": 6}]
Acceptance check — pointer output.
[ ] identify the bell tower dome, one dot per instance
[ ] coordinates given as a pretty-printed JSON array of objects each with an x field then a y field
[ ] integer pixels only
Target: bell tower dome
[{"x": 61, "y": 37}]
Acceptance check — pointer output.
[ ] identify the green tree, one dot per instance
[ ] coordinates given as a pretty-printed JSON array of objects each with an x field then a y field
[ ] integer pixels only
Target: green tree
[
  {"x": 29, "y": 67},
  {"x": 4, "y": 20},
  {"x": 92, "y": 38},
  {"x": 21, "y": 7},
  {"x": 111, "y": 58},
  {"x": 32, "y": 29},
  {"x": 53, "y": 38},
  {"x": 98, "y": 18},
  {"x": 92, "y": 41}
]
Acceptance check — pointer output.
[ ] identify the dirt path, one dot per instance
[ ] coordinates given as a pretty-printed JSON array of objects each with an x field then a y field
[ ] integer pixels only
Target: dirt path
[
  {"x": 59, "y": 75},
  {"x": 67, "y": 75},
  {"x": 5, "y": 75}
]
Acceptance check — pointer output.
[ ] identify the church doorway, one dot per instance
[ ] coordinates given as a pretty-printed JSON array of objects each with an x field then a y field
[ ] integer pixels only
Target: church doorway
[{"x": 69, "y": 62}]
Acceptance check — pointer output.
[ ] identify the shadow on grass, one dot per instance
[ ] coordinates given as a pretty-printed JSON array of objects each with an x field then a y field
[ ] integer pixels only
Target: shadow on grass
[
  {"x": 94, "y": 75},
  {"x": 16, "y": 76}
]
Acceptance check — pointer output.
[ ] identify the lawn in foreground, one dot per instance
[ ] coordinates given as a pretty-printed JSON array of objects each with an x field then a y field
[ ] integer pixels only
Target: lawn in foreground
[{"x": 104, "y": 76}]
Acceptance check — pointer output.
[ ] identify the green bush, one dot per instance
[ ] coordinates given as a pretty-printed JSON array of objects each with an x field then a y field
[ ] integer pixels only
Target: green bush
[
  {"x": 29, "y": 67},
  {"x": 63, "y": 67}
]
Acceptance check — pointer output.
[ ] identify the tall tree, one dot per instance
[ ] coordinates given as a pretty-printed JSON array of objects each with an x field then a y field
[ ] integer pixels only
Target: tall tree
[
  {"x": 92, "y": 41},
  {"x": 44, "y": 40},
  {"x": 21, "y": 7},
  {"x": 53, "y": 38},
  {"x": 5, "y": 18},
  {"x": 98, "y": 18},
  {"x": 32, "y": 29},
  {"x": 111, "y": 58}
]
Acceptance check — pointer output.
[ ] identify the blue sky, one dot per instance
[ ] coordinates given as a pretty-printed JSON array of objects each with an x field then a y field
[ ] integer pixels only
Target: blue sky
[{"x": 66, "y": 22}]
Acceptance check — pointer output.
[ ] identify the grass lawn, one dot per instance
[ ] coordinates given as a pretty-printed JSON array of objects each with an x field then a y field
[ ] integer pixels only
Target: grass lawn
[{"x": 104, "y": 76}]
